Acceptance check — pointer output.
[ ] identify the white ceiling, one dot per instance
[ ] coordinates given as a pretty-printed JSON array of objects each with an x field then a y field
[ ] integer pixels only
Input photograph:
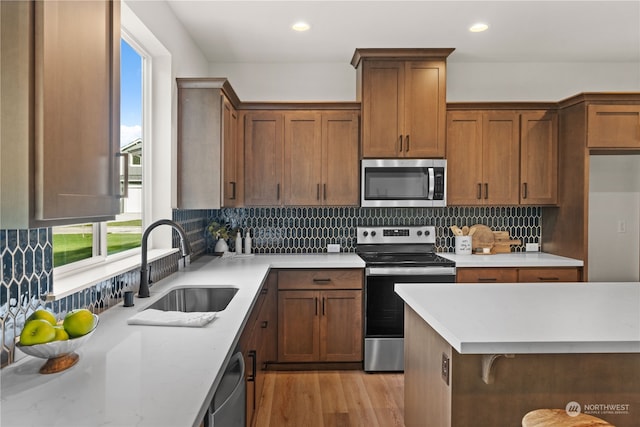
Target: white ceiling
[{"x": 519, "y": 31}]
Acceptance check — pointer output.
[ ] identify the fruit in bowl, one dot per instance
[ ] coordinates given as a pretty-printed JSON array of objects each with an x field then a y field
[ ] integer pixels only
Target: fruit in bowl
[{"x": 40, "y": 338}]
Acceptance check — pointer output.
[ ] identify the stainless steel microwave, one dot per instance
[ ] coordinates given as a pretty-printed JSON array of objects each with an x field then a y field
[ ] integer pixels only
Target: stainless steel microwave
[{"x": 403, "y": 183}]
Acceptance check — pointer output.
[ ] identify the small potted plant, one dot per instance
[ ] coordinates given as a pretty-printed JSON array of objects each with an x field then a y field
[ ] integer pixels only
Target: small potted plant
[{"x": 220, "y": 233}]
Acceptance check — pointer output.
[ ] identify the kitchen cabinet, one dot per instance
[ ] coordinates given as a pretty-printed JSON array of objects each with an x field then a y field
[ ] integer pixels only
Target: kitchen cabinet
[
  {"x": 538, "y": 158},
  {"x": 613, "y": 126},
  {"x": 320, "y": 315},
  {"x": 515, "y": 275},
  {"x": 263, "y": 163},
  {"x": 301, "y": 158},
  {"x": 483, "y": 151},
  {"x": 403, "y": 96},
  {"x": 257, "y": 343},
  {"x": 60, "y": 134},
  {"x": 208, "y": 170},
  {"x": 230, "y": 169}
]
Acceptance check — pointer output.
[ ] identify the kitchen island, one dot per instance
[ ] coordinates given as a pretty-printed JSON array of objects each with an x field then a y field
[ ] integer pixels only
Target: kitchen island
[
  {"x": 149, "y": 375},
  {"x": 486, "y": 354}
]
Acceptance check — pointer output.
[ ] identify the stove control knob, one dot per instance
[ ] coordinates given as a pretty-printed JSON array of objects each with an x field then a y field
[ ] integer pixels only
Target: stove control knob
[
  {"x": 365, "y": 233},
  {"x": 426, "y": 233},
  {"x": 419, "y": 233},
  {"x": 373, "y": 233}
]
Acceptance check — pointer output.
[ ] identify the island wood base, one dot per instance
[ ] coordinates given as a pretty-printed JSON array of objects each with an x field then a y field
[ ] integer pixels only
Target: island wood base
[{"x": 520, "y": 384}]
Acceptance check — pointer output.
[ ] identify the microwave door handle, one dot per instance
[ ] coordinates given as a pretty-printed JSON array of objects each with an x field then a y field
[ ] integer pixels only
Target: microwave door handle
[{"x": 432, "y": 183}]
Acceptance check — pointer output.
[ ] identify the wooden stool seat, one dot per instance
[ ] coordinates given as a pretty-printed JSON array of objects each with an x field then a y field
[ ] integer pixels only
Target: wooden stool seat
[{"x": 560, "y": 418}]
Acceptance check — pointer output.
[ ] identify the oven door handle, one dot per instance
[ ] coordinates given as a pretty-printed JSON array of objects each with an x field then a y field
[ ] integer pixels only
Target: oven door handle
[{"x": 410, "y": 271}]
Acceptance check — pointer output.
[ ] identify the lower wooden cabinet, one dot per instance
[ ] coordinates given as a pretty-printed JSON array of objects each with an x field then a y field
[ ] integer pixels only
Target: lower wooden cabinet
[
  {"x": 515, "y": 275},
  {"x": 320, "y": 316},
  {"x": 257, "y": 343}
]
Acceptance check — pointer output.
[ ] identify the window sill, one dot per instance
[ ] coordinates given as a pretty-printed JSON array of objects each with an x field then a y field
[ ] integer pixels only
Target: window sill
[{"x": 73, "y": 283}]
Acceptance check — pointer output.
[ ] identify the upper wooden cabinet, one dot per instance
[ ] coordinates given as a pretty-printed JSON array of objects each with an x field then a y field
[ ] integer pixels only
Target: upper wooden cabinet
[
  {"x": 263, "y": 162},
  {"x": 60, "y": 107},
  {"x": 502, "y": 157},
  {"x": 301, "y": 158},
  {"x": 403, "y": 96},
  {"x": 539, "y": 158},
  {"x": 207, "y": 152},
  {"x": 613, "y": 126},
  {"x": 483, "y": 153}
]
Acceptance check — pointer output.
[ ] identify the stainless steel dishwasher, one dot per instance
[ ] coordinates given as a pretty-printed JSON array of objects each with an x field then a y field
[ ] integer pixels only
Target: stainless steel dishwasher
[{"x": 227, "y": 407}]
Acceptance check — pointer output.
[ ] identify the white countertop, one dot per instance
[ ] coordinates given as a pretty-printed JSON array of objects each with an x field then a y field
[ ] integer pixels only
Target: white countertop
[
  {"x": 514, "y": 259},
  {"x": 148, "y": 375},
  {"x": 530, "y": 317}
]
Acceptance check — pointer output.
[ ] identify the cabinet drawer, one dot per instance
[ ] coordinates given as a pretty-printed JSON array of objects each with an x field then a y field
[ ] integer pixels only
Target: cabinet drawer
[
  {"x": 486, "y": 275},
  {"x": 548, "y": 275},
  {"x": 320, "y": 279}
]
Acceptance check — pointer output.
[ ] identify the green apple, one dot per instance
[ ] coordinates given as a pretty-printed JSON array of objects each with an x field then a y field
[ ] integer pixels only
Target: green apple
[
  {"x": 78, "y": 322},
  {"x": 61, "y": 334},
  {"x": 44, "y": 315},
  {"x": 37, "y": 331}
]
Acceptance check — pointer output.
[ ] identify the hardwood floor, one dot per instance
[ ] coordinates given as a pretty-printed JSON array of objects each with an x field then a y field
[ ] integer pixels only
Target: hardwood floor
[{"x": 331, "y": 399}]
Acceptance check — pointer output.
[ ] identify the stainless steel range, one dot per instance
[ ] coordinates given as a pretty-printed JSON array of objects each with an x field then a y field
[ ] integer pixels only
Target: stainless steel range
[{"x": 394, "y": 255}]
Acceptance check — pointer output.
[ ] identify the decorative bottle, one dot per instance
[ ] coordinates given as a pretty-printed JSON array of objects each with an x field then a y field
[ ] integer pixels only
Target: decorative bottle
[
  {"x": 238, "y": 243},
  {"x": 247, "y": 242}
]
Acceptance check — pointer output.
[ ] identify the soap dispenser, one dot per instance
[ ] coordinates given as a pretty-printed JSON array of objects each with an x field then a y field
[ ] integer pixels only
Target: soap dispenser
[{"x": 238, "y": 243}]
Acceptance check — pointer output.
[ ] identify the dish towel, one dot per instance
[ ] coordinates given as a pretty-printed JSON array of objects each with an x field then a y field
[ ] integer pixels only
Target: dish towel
[{"x": 154, "y": 317}]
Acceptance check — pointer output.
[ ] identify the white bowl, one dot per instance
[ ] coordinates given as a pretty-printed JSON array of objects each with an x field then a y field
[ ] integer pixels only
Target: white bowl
[{"x": 54, "y": 349}]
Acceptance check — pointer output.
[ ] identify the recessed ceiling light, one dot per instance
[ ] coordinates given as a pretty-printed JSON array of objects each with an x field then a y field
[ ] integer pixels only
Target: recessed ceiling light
[
  {"x": 479, "y": 27},
  {"x": 301, "y": 26}
]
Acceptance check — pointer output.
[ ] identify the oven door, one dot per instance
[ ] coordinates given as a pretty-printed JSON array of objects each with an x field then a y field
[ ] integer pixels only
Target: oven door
[{"x": 384, "y": 313}]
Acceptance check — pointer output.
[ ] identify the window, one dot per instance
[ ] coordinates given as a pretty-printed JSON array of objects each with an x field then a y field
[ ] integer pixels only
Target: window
[{"x": 78, "y": 245}]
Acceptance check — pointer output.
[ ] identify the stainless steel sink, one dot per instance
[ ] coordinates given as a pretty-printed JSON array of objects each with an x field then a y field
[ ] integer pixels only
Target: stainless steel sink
[{"x": 198, "y": 298}]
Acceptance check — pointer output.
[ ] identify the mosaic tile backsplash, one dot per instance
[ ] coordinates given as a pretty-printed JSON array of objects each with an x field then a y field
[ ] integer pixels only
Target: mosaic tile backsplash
[
  {"x": 309, "y": 230},
  {"x": 26, "y": 256}
]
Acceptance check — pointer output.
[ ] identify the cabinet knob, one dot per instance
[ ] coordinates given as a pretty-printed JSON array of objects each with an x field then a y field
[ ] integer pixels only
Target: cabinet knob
[
  {"x": 401, "y": 143},
  {"x": 406, "y": 145},
  {"x": 524, "y": 190}
]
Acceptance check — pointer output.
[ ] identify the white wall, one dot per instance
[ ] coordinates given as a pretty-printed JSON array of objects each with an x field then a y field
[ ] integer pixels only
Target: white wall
[
  {"x": 614, "y": 218},
  {"x": 466, "y": 81}
]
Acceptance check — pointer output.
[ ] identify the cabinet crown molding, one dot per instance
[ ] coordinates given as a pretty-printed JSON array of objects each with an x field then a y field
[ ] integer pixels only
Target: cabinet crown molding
[{"x": 396, "y": 54}]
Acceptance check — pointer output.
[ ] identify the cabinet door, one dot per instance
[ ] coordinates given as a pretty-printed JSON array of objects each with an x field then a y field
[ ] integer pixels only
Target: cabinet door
[
  {"x": 341, "y": 326},
  {"x": 268, "y": 319},
  {"x": 303, "y": 159},
  {"x": 264, "y": 133},
  {"x": 464, "y": 158},
  {"x": 77, "y": 109},
  {"x": 230, "y": 155},
  {"x": 501, "y": 158},
  {"x": 382, "y": 112},
  {"x": 538, "y": 158},
  {"x": 340, "y": 163},
  {"x": 486, "y": 275},
  {"x": 613, "y": 126},
  {"x": 298, "y": 326},
  {"x": 424, "y": 109}
]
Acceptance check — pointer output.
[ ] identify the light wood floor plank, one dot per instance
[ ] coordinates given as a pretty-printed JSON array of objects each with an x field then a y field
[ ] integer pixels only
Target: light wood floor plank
[{"x": 331, "y": 399}]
